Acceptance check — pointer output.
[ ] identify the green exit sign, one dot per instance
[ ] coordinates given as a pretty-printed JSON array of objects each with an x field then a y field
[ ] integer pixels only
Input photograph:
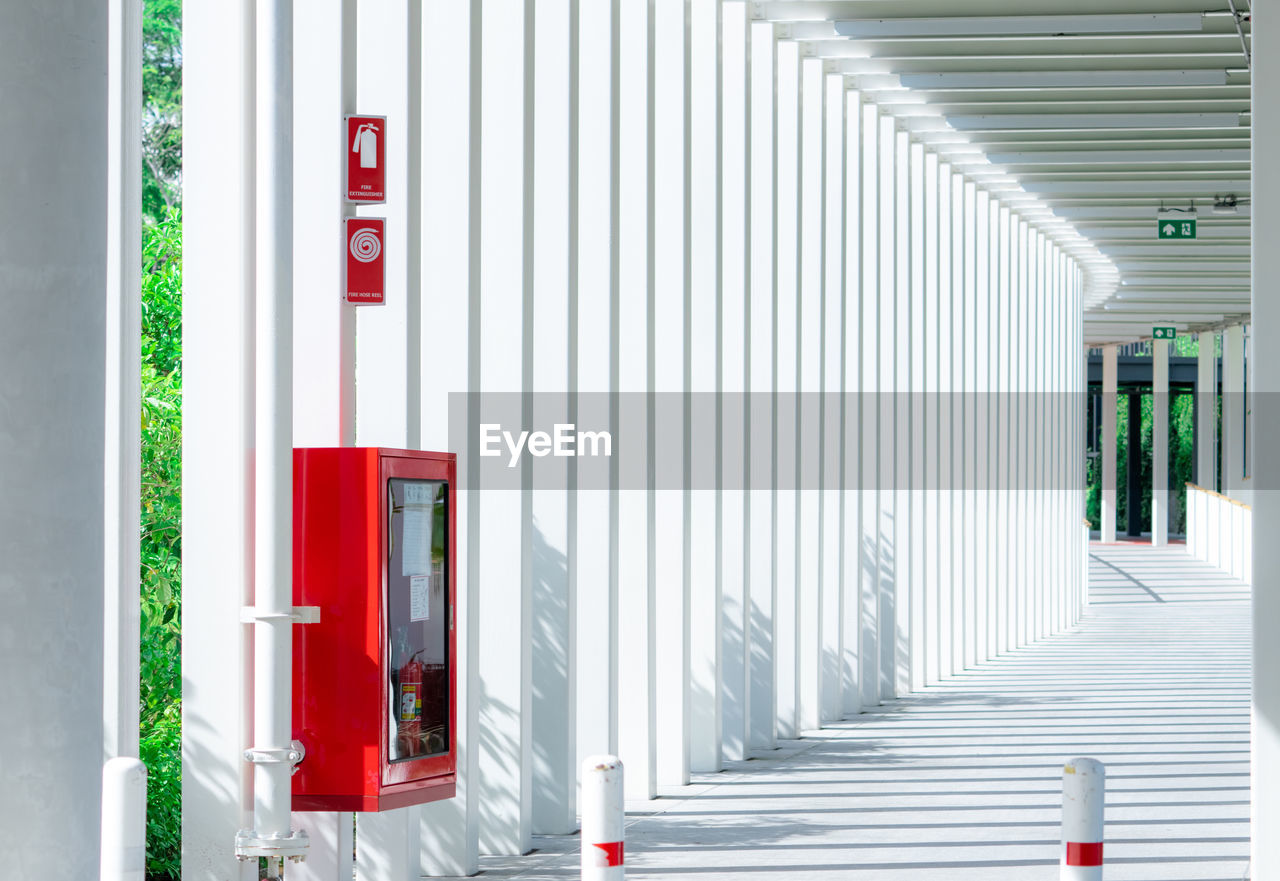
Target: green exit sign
[
  {"x": 1163, "y": 333},
  {"x": 1168, "y": 228}
]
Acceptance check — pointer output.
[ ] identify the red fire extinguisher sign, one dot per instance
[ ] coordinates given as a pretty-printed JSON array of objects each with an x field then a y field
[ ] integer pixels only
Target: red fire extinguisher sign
[
  {"x": 366, "y": 263},
  {"x": 366, "y": 150}
]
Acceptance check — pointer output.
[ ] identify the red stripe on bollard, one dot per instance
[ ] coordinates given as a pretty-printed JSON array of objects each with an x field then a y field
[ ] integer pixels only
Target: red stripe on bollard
[
  {"x": 612, "y": 853},
  {"x": 1084, "y": 854}
]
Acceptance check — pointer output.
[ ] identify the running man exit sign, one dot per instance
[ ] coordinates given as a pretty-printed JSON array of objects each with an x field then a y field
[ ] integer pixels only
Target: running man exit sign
[
  {"x": 1163, "y": 333},
  {"x": 1182, "y": 228}
]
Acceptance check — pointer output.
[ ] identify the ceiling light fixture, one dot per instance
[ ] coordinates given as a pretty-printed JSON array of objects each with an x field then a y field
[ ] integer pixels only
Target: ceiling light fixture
[{"x": 1022, "y": 25}]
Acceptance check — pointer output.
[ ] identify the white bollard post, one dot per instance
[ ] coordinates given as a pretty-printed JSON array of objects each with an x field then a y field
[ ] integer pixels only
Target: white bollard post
[
  {"x": 603, "y": 818},
  {"x": 124, "y": 820},
  {"x": 1083, "y": 790}
]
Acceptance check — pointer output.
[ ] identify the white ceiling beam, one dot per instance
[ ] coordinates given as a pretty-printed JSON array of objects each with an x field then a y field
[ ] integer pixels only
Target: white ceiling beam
[
  {"x": 1182, "y": 187},
  {"x": 1170, "y": 317},
  {"x": 1063, "y": 79},
  {"x": 1022, "y": 25},
  {"x": 1116, "y": 157},
  {"x": 1136, "y": 121}
]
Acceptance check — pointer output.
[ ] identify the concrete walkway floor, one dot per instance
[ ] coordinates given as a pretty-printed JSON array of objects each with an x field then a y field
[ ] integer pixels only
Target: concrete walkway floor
[{"x": 963, "y": 780}]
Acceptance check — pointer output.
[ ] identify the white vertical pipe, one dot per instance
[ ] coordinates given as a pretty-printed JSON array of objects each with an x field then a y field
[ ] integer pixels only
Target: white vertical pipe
[
  {"x": 217, "y": 438},
  {"x": 735, "y": 261},
  {"x": 449, "y": 830},
  {"x": 124, "y": 820},
  {"x": 273, "y": 415},
  {"x": 637, "y": 695},
  {"x": 603, "y": 819},
  {"x": 833, "y": 354},
  {"x": 705, "y": 304},
  {"x": 760, "y": 648},
  {"x": 787, "y": 268},
  {"x": 851, "y": 610},
  {"x": 123, "y": 378},
  {"x": 1207, "y": 411},
  {"x": 1160, "y": 443},
  {"x": 670, "y": 184},
  {"x": 594, "y": 363},
  {"x": 554, "y": 652},
  {"x": 808, "y": 523},
  {"x": 1108, "y": 441},
  {"x": 869, "y": 544}
]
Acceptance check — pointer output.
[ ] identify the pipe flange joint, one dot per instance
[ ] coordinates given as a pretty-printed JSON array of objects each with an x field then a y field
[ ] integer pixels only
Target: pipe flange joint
[{"x": 251, "y": 845}]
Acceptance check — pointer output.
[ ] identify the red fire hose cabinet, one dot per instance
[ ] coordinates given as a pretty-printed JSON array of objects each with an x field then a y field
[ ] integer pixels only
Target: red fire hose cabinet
[{"x": 374, "y": 688}]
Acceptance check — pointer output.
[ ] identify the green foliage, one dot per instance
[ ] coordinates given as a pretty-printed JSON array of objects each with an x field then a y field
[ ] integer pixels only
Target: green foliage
[
  {"x": 161, "y": 586},
  {"x": 161, "y": 107}
]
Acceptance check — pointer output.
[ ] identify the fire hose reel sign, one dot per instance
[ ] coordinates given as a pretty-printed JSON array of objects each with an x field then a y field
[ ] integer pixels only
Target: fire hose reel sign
[
  {"x": 366, "y": 151},
  {"x": 366, "y": 261}
]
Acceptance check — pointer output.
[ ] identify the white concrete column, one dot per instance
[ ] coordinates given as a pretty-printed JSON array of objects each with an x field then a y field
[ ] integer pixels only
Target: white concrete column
[
  {"x": 1004, "y": 432},
  {"x": 53, "y": 72},
  {"x": 1160, "y": 443},
  {"x": 983, "y": 601},
  {"x": 703, "y": 382},
  {"x": 637, "y": 688},
  {"x": 1265, "y": 814},
  {"x": 449, "y": 830},
  {"x": 961, "y": 601},
  {"x": 1232, "y": 409},
  {"x": 386, "y": 396},
  {"x": 850, "y": 615},
  {"x": 1206, "y": 412},
  {"x": 554, "y": 652},
  {"x": 764, "y": 232},
  {"x": 831, "y": 607},
  {"x": 934, "y": 575},
  {"x": 670, "y": 371},
  {"x": 734, "y": 475},
  {"x": 808, "y": 638},
  {"x": 869, "y": 544},
  {"x": 1022, "y": 400},
  {"x": 921, "y": 550},
  {"x": 217, "y": 437},
  {"x": 968, "y": 241},
  {"x": 786, "y": 424},
  {"x": 506, "y": 278},
  {"x": 123, "y": 454},
  {"x": 887, "y": 453},
  {"x": 1108, "y": 440},
  {"x": 903, "y": 441},
  {"x": 946, "y": 378},
  {"x": 594, "y": 521}
]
